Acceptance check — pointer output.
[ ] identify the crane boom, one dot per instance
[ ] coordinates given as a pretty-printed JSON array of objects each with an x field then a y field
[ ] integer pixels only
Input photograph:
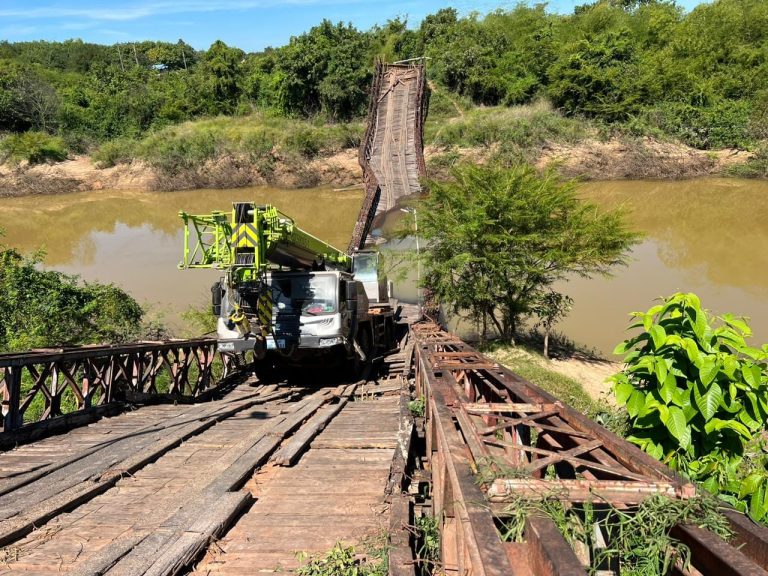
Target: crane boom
[{"x": 252, "y": 240}]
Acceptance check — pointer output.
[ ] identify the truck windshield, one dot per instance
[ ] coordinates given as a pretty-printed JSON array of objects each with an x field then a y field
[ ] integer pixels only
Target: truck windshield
[{"x": 312, "y": 295}]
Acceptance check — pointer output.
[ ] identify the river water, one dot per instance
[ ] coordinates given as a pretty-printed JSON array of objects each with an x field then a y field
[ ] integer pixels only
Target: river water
[
  {"x": 707, "y": 236},
  {"x": 135, "y": 239}
]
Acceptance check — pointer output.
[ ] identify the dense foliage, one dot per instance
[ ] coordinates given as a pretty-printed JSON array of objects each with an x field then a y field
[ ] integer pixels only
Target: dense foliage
[
  {"x": 41, "y": 308},
  {"x": 700, "y": 76},
  {"x": 498, "y": 239},
  {"x": 697, "y": 398}
]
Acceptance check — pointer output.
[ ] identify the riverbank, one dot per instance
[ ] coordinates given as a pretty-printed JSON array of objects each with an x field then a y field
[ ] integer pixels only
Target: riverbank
[
  {"x": 614, "y": 159},
  {"x": 259, "y": 149}
]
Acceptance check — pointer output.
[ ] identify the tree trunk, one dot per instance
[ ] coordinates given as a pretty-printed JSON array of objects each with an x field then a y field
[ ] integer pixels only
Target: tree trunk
[{"x": 546, "y": 343}]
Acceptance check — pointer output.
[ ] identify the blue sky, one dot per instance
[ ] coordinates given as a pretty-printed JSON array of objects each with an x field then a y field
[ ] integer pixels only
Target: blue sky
[{"x": 247, "y": 24}]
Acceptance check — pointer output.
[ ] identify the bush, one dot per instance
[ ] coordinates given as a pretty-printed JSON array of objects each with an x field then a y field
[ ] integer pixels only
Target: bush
[
  {"x": 173, "y": 151},
  {"x": 43, "y": 308},
  {"x": 697, "y": 395},
  {"x": 114, "y": 152},
  {"x": 755, "y": 167},
  {"x": 723, "y": 125},
  {"x": 33, "y": 147},
  {"x": 304, "y": 140}
]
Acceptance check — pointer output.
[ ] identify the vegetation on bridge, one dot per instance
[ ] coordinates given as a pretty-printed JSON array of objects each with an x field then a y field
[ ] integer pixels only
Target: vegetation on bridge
[{"x": 638, "y": 67}]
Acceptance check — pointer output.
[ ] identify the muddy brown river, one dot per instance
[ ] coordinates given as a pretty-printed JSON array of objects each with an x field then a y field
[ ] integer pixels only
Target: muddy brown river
[
  {"x": 135, "y": 239},
  {"x": 708, "y": 236}
]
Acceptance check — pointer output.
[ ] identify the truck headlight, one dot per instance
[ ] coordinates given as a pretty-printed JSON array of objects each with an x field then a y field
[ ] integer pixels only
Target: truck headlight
[{"x": 328, "y": 342}]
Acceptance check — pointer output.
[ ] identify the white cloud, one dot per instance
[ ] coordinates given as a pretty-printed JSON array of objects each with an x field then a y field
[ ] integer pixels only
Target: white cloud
[{"x": 118, "y": 14}]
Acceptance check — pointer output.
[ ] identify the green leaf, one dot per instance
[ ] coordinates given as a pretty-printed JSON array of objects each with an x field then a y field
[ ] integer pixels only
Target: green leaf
[
  {"x": 692, "y": 350},
  {"x": 757, "y": 506},
  {"x": 623, "y": 391},
  {"x": 661, "y": 370},
  {"x": 708, "y": 370},
  {"x": 709, "y": 402},
  {"x": 635, "y": 403},
  {"x": 737, "y": 323},
  {"x": 718, "y": 424},
  {"x": 620, "y": 348},
  {"x": 711, "y": 485},
  {"x": 659, "y": 335},
  {"x": 752, "y": 375},
  {"x": 677, "y": 425},
  {"x": 667, "y": 390}
]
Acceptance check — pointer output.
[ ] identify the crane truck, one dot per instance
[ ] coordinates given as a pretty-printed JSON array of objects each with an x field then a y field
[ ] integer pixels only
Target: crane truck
[{"x": 286, "y": 295}]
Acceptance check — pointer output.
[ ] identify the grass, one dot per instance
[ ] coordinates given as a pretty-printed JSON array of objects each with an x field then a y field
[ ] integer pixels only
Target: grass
[
  {"x": 32, "y": 147},
  {"x": 755, "y": 167},
  {"x": 228, "y": 152},
  {"x": 344, "y": 560},
  {"x": 528, "y": 364},
  {"x": 531, "y": 365},
  {"x": 513, "y": 133},
  {"x": 257, "y": 138},
  {"x": 638, "y": 540}
]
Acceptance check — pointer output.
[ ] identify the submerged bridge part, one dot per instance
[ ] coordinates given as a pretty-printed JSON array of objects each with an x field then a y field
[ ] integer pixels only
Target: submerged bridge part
[{"x": 392, "y": 150}]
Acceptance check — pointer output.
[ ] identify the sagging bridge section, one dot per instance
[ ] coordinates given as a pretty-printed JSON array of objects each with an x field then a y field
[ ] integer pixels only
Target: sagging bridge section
[{"x": 171, "y": 458}]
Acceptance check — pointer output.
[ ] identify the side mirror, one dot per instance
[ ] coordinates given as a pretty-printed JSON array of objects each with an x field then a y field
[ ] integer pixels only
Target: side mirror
[{"x": 217, "y": 294}]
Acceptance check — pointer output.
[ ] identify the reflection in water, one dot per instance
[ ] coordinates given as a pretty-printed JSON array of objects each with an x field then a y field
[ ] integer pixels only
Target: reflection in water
[
  {"x": 708, "y": 236},
  {"x": 134, "y": 239}
]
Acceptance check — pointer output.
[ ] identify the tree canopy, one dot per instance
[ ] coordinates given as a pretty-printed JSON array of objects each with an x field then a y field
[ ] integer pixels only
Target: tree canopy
[
  {"x": 42, "y": 308},
  {"x": 700, "y": 76},
  {"x": 498, "y": 239}
]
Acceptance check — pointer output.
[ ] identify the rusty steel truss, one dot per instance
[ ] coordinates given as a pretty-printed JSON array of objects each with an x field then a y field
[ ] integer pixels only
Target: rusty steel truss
[
  {"x": 493, "y": 438},
  {"x": 42, "y": 386}
]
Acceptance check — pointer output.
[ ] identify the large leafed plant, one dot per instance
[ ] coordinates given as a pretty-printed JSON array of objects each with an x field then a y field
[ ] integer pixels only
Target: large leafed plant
[{"x": 697, "y": 397}]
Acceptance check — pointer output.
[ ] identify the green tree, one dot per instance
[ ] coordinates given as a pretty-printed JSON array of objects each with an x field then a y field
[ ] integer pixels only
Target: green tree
[
  {"x": 498, "y": 239},
  {"x": 594, "y": 77},
  {"x": 222, "y": 63},
  {"x": 43, "y": 308}
]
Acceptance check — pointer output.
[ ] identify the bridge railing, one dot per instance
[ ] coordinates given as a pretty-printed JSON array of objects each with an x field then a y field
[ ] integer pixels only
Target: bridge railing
[
  {"x": 495, "y": 440},
  {"x": 44, "y": 385}
]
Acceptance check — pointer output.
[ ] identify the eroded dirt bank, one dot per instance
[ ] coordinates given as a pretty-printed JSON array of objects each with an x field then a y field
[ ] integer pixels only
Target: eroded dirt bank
[{"x": 588, "y": 159}]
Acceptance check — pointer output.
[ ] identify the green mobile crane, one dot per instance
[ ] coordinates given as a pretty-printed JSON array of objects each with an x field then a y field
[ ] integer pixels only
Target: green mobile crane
[{"x": 286, "y": 294}]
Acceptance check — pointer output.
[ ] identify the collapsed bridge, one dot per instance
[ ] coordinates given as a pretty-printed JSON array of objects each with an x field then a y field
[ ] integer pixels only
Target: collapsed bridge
[{"x": 173, "y": 458}]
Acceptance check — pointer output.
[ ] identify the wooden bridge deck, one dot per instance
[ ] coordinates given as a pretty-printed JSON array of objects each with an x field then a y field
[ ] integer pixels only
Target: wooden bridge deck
[
  {"x": 336, "y": 493},
  {"x": 145, "y": 492}
]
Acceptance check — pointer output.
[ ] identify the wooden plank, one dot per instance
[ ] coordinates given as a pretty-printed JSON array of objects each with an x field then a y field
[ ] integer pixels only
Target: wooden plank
[
  {"x": 183, "y": 552},
  {"x": 549, "y": 553},
  {"x": 97, "y": 477},
  {"x": 288, "y": 453},
  {"x": 713, "y": 555}
]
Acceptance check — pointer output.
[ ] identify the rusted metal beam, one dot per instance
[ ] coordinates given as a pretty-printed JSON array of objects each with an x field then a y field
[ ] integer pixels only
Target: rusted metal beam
[
  {"x": 35, "y": 384},
  {"x": 568, "y": 490},
  {"x": 713, "y": 556},
  {"x": 750, "y": 538},
  {"x": 548, "y": 552}
]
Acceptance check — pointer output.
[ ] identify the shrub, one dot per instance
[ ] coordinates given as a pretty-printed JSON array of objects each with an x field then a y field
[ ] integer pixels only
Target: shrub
[
  {"x": 755, "y": 167},
  {"x": 722, "y": 125},
  {"x": 33, "y": 147},
  {"x": 304, "y": 140},
  {"x": 696, "y": 394},
  {"x": 114, "y": 152}
]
